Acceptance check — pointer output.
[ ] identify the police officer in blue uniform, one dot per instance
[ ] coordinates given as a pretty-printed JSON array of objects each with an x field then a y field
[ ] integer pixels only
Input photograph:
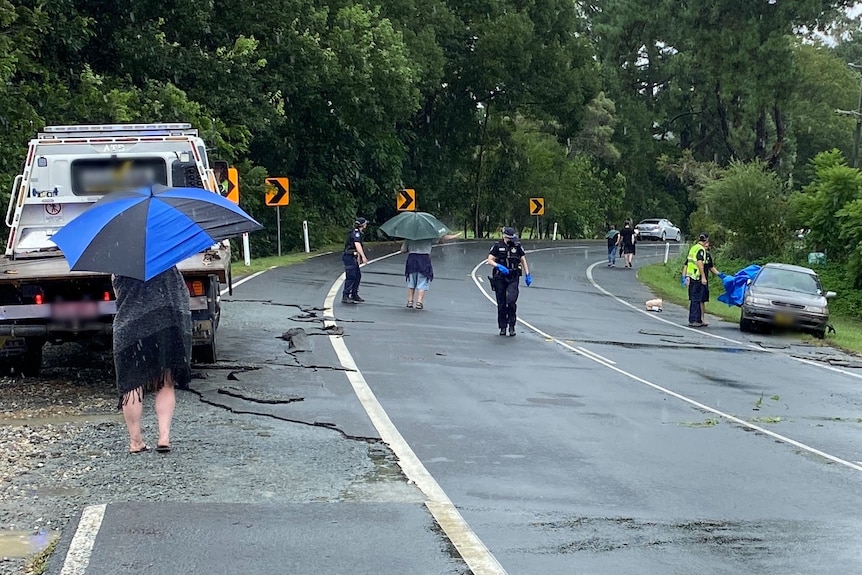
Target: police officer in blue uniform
[
  {"x": 509, "y": 261},
  {"x": 353, "y": 256}
]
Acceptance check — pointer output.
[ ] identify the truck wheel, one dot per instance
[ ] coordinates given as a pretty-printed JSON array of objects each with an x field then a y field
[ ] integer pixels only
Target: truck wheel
[
  {"x": 30, "y": 363},
  {"x": 746, "y": 325},
  {"x": 205, "y": 353}
]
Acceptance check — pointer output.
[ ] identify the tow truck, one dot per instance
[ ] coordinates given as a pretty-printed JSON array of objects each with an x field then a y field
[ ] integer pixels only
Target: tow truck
[{"x": 67, "y": 169}]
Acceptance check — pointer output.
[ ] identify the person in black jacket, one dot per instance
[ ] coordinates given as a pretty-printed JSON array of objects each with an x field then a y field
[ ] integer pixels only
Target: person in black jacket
[
  {"x": 628, "y": 237},
  {"x": 353, "y": 256},
  {"x": 509, "y": 261}
]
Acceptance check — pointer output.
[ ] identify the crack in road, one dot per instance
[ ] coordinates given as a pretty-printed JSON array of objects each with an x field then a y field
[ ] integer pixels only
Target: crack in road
[
  {"x": 324, "y": 424},
  {"x": 245, "y": 395}
]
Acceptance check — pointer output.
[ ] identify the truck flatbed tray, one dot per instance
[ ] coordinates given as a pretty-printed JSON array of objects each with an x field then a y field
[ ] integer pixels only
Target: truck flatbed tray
[{"x": 57, "y": 267}]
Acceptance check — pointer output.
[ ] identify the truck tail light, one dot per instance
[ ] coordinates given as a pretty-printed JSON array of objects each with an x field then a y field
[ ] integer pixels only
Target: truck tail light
[
  {"x": 38, "y": 299},
  {"x": 196, "y": 288},
  {"x": 106, "y": 296}
]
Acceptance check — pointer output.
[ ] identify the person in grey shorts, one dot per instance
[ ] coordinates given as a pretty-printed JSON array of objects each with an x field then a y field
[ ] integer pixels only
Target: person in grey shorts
[{"x": 418, "y": 270}]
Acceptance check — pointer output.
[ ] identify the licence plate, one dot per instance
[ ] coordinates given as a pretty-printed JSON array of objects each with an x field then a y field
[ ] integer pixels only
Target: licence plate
[
  {"x": 783, "y": 319},
  {"x": 74, "y": 310}
]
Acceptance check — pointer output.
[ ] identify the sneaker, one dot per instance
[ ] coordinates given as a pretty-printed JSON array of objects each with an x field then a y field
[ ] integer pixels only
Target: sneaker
[
  {"x": 357, "y": 299},
  {"x": 512, "y": 331},
  {"x": 348, "y": 300},
  {"x": 695, "y": 324},
  {"x": 503, "y": 331}
]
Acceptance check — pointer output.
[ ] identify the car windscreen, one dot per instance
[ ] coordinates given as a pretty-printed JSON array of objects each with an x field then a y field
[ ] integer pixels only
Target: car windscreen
[
  {"x": 98, "y": 176},
  {"x": 789, "y": 280}
]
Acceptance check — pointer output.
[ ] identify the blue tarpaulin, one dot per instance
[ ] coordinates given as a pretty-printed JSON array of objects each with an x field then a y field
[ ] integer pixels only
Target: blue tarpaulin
[{"x": 736, "y": 285}]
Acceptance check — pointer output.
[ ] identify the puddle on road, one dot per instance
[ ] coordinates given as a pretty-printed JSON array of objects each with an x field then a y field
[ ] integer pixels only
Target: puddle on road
[
  {"x": 59, "y": 492},
  {"x": 24, "y": 543},
  {"x": 61, "y": 420}
]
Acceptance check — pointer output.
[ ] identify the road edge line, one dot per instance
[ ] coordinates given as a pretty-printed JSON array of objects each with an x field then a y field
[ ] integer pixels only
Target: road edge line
[
  {"x": 473, "y": 551},
  {"x": 81, "y": 547}
]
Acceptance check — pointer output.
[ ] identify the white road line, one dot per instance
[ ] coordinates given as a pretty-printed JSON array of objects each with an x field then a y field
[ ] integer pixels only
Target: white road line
[
  {"x": 478, "y": 557},
  {"x": 679, "y": 396},
  {"x": 596, "y": 356},
  {"x": 245, "y": 279},
  {"x": 81, "y": 547},
  {"x": 706, "y": 333}
]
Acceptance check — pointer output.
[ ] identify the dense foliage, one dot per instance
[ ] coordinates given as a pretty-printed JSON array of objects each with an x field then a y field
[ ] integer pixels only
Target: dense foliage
[{"x": 608, "y": 109}]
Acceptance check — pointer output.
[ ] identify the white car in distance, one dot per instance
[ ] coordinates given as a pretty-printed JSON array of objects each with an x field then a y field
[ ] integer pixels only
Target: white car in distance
[{"x": 658, "y": 229}]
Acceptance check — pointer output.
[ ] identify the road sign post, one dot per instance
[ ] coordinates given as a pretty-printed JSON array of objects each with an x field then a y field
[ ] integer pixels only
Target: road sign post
[
  {"x": 305, "y": 235},
  {"x": 246, "y": 250},
  {"x": 277, "y": 195},
  {"x": 537, "y": 208}
]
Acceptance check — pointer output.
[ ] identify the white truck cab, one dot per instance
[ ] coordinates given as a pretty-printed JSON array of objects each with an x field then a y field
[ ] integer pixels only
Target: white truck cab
[{"x": 67, "y": 169}]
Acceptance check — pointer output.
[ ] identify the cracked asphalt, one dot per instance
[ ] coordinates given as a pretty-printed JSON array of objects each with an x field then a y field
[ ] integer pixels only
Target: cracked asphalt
[{"x": 601, "y": 439}]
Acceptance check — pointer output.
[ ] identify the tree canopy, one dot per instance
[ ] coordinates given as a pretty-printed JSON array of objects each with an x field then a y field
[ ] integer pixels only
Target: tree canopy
[{"x": 478, "y": 105}]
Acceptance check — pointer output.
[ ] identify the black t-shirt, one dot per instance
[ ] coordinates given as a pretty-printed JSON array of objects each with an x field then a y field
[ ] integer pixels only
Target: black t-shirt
[
  {"x": 508, "y": 254},
  {"x": 354, "y": 236},
  {"x": 628, "y": 235}
]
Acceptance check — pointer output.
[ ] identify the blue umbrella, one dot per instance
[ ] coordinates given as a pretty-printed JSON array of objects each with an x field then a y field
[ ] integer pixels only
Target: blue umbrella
[{"x": 144, "y": 232}]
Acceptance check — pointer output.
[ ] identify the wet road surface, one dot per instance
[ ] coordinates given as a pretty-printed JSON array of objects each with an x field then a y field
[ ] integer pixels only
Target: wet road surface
[
  {"x": 600, "y": 439},
  {"x": 611, "y": 441}
]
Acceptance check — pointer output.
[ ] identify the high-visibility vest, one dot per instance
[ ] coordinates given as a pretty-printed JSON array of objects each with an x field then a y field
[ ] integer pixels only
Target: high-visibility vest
[{"x": 691, "y": 262}]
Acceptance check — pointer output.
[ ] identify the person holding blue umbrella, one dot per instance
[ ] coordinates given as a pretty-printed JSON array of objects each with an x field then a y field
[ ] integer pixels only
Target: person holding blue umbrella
[
  {"x": 152, "y": 350},
  {"x": 139, "y": 236}
]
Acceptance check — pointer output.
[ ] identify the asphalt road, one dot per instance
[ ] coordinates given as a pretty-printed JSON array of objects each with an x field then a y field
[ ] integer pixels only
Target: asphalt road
[{"x": 601, "y": 439}]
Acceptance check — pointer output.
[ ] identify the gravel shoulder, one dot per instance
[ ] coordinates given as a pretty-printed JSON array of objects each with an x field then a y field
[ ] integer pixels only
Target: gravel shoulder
[{"x": 65, "y": 447}]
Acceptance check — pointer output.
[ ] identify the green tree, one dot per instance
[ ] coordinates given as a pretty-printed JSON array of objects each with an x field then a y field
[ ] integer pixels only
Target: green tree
[
  {"x": 749, "y": 202},
  {"x": 834, "y": 186}
]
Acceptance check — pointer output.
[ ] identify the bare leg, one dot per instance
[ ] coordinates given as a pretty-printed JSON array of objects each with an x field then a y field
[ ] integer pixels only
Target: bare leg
[
  {"x": 702, "y": 312},
  {"x": 166, "y": 400},
  {"x": 420, "y": 295},
  {"x": 410, "y": 292},
  {"x": 133, "y": 410}
]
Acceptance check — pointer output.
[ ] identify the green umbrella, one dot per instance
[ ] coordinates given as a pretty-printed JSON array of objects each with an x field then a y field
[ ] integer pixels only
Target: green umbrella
[{"x": 415, "y": 226}]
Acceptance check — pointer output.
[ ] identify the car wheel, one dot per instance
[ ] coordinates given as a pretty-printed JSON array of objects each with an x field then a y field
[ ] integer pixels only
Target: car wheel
[
  {"x": 663, "y": 237},
  {"x": 746, "y": 325},
  {"x": 819, "y": 333},
  {"x": 678, "y": 236}
]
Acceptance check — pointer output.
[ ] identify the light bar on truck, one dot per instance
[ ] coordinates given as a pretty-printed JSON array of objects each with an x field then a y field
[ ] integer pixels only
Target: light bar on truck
[{"x": 161, "y": 129}]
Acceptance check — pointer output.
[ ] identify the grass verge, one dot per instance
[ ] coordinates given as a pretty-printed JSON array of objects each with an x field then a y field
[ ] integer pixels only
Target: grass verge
[
  {"x": 38, "y": 563},
  {"x": 663, "y": 280},
  {"x": 239, "y": 269}
]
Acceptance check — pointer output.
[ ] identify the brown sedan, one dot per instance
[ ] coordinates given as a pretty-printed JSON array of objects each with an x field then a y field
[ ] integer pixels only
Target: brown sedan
[{"x": 786, "y": 296}]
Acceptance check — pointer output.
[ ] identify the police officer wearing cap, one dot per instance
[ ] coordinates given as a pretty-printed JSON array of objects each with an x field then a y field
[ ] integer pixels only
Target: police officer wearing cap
[
  {"x": 353, "y": 256},
  {"x": 509, "y": 261}
]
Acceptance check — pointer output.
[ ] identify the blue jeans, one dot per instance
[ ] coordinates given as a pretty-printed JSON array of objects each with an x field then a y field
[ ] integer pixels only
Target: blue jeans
[
  {"x": 352, "y": 276},
  {"x": 612, "y": 255}
]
